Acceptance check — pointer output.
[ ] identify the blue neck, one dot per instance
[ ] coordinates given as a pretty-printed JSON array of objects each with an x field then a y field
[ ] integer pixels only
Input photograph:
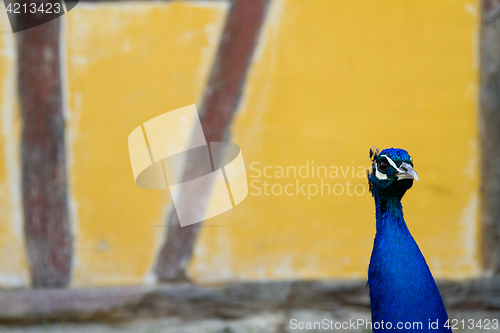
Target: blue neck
[
  {"x": 389, "y": 212},
  {"x": 401, "y": 285}
]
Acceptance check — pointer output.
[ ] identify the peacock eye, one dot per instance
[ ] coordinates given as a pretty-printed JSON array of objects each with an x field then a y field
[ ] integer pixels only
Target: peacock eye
[{"x": 382, "y": 166}]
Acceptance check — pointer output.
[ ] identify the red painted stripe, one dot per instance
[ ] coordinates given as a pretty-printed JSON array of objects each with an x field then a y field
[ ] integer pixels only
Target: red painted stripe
[
  {"x": 220, "y": 101},
  {"x": 46, "y": 222}
]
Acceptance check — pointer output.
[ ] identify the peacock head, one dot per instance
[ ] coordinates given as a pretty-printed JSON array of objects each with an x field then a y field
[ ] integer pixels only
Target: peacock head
[{"x": 392, "y": 172}]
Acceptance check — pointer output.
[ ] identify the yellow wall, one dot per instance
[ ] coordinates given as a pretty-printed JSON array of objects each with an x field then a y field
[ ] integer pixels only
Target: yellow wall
[
  {"x": 13, "y": 263},
  {"x": 329, "y": 79}
]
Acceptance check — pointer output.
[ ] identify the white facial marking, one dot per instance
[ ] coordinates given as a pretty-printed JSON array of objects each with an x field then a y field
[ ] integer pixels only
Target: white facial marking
[
  {"x": 379, "y": 174},
  {"x": 391, "y": 162}
]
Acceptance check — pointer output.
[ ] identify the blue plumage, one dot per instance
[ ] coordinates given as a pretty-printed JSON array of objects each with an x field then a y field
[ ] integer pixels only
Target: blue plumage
[{"x": 402, "y": 289}]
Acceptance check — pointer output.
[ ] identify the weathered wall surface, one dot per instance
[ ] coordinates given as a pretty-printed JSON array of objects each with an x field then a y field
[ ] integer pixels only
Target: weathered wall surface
[
  {"x": 125, "y": 64},
  {"x": 328, "y": 80}
]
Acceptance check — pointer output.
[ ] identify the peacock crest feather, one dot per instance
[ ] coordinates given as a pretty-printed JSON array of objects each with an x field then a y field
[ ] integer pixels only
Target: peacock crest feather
[{"x": 374, "y": 151}]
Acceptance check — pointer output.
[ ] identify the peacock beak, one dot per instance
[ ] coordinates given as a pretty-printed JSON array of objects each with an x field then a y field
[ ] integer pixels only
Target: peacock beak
[{"x": 405, "y": 171}]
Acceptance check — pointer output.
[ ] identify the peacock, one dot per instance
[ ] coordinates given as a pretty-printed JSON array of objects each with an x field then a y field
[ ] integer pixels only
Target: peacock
[{"x": 403, "y": 292}]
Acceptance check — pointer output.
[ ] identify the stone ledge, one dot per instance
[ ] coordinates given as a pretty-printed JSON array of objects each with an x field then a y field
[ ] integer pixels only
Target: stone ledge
[{"x": 230, "y": 301}]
